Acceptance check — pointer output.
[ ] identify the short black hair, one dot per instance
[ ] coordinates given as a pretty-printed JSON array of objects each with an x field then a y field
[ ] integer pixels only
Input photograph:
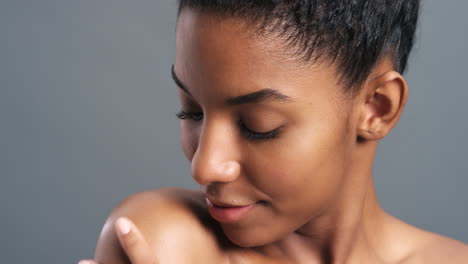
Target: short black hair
[{"x": 353, "y": 34}]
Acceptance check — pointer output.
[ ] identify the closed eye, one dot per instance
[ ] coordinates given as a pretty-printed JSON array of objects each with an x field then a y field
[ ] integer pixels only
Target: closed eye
[
  {"x": 196, "y": 116},
  {"x": 247, "y": 132}
]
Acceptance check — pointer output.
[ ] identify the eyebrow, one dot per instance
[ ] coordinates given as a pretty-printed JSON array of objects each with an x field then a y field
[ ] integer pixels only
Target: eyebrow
[{"x": 254, "y": 97}]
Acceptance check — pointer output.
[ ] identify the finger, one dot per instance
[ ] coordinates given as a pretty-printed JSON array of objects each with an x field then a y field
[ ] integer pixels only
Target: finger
[
  {"x": 133, "y": 242},
  {"x": 87, "y": 261}
]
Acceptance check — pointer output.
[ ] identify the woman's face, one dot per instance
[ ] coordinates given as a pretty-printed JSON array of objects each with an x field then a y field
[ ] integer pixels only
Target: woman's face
[{"x": 295, "y": 171}]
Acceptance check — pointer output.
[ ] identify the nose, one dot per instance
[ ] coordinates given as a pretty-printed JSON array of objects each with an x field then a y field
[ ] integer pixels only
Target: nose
[{"x": 216, "y": 157}]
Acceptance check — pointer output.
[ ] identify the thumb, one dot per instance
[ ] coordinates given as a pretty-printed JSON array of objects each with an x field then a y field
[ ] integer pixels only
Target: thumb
[
  {"x": 87, "y": 261},
  {"x": 133, "y": 242}
]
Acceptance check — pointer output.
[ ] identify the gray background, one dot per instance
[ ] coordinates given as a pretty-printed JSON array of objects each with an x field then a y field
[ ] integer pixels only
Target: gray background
[{"x": 87, "y": 117}]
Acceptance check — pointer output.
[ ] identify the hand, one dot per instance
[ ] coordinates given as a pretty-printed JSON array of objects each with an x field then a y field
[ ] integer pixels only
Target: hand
[{"x": 132, "y": 242}]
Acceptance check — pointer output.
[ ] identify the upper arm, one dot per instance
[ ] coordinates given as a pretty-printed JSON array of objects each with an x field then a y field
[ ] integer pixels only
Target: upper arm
[{"x": 168, "y": 221}]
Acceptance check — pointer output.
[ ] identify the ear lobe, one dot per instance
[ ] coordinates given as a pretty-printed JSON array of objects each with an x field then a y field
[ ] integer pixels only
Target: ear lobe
[{"x": 385, "y": 98}]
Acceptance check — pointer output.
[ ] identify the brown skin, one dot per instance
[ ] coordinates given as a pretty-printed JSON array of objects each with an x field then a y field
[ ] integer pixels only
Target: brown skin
[{"x": 314, "y": 179}]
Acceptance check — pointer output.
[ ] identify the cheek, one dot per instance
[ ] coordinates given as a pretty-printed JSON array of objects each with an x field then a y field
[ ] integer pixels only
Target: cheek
[
  {"x": 304, "y": 171},
  {"x": 189, "y": 134}
]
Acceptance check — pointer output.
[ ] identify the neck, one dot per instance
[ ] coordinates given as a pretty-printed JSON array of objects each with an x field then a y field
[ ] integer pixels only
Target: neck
[{"x": 351, "y": 230}]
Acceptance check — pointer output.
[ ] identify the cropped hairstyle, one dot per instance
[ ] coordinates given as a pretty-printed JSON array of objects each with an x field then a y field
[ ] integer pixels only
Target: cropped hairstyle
[{"x": 351, "y": 34}]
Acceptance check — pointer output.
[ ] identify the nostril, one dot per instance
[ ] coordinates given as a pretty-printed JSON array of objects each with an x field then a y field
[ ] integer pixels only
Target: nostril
[{"x": 209, "y": 170}]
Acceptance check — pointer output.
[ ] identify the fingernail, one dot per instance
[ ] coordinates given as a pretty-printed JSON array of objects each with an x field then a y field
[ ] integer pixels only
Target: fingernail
[
  {"x": 84, "y": 262},
  {"x": 123, "y": 224}
]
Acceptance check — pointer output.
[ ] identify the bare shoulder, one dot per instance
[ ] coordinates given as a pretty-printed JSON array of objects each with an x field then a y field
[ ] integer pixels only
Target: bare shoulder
[
  {"x": 439, "y": 249},
  {"x": 175, "y": 223},
  {"x": 442, "y": 249}
]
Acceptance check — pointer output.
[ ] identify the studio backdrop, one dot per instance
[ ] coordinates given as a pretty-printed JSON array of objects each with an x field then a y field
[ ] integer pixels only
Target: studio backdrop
[{"x": 87, "y": 117}]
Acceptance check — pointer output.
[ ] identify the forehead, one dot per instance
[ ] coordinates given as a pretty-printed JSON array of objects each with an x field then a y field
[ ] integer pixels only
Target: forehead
[
  {"x": 226, "y": 53},
  {"x": 228, "y": 41}
]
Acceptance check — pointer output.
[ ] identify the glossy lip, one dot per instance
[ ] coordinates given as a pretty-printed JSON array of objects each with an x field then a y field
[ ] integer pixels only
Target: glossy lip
[{"x": 228, "y": 213}]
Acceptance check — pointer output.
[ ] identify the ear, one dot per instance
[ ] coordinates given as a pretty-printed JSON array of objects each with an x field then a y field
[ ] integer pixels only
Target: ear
[{"x": 383, "y": 101}]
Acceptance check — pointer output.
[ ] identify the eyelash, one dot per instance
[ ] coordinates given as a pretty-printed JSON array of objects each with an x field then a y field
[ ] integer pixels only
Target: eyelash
[{"x": 250, "y": 134}]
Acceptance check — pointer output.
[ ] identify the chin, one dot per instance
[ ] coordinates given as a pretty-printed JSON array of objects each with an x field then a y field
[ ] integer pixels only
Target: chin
[{"x": 248, "y": 238}]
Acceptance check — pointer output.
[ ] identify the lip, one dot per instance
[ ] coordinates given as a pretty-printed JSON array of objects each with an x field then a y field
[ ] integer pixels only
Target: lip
[{"x": 227, "y": 213}]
